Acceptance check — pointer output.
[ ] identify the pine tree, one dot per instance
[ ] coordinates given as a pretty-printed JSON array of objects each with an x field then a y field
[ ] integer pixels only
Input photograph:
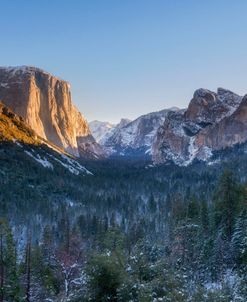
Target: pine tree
[
  {"x": 28, "y": 270},
  {"x": 239, "y": 239},
  {"x": 9, "y": 280},
  {"x": 193, "y": 209},
  {"x": 13, "y": 291},
  {"x": 227, "y": 203},
  {"x": 204, "y": 216}
]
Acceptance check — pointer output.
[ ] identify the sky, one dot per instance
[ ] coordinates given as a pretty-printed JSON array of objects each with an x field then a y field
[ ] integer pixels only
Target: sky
[{"x": 125, "y": 58}]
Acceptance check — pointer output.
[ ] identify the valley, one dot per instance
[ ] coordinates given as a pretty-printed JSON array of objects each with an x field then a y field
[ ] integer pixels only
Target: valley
[{"x": 152, "y": 209}]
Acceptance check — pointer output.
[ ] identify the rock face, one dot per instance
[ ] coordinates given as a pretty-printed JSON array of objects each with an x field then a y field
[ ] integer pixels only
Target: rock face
[
  {"x": 134, "y": 138},
  {"x": 229, "y": 131},
  {"x": 17, "y": 136},
  {"x": 44, "y": 102},
  {"x": 213, "y": 121}
]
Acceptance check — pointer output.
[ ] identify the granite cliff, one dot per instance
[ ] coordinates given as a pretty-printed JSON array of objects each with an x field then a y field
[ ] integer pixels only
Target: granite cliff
[
  {"x": 212, "y": 121},
  {"x": 44, "y": 102}
]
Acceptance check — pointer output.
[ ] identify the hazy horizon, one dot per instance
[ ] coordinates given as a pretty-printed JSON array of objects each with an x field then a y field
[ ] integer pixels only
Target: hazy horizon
[{"x": 125, "y": 59}]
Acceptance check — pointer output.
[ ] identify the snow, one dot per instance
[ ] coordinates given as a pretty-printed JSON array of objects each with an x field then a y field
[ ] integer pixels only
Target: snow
[
  {"x": 71, "y": 204},
  {"x": 108, "y": 253},
  {"x": 229, "y": 279},
  {"x": 4, "y": 85},
  {"x": 72, "y": 165},
  {"x": 224, "y": 104},
  {"x": 229, "y": 100},
  {"x": 43, "y": 161},
  {"x": 149, "y": 166},
  {"x": 134, "y": 134},
  {"x": 192, "y": 152},
  {"x": 100, "y": 130},
  {"x": 17, "y": 143},
  {"x": 70, "y": 168},
  {"x": 148, "y": 151},
  {"x": 76, "y": 164},
  {"x": 207, "y": 152},
  {"x": 192, "y": 149}
]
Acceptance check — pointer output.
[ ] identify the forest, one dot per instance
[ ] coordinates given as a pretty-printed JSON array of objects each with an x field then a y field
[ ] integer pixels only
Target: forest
[{"x": 129, "y": 232}]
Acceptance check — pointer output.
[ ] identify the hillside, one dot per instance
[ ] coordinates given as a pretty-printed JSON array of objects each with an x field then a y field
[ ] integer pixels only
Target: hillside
[{"x": 16, "y": 134}]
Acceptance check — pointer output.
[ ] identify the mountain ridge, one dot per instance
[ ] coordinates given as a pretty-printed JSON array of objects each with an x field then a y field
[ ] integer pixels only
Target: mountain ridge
[
  {"x": 212, "y": 121},
  {"x": 133, "y": 138}
]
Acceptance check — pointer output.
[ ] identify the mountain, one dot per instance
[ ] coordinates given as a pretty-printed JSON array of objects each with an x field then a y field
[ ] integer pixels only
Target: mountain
[
  {"x": 100, "y": 129},
  {"x": 134, "y": 138},
  {"x": 213, "y": 121},
  {"x": 45, "y": 103}
]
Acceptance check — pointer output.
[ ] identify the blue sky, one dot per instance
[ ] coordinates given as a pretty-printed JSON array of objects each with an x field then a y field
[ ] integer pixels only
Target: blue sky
[{"x": 125, "y": 58}]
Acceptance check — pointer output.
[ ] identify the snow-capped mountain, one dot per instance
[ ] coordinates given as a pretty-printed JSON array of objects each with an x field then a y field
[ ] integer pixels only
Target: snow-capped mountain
[
  {"x": 123, "y": 122},
  {"x": 100, "y": 129},
  {"x": 213, "y": 121},
  {"x": 134, "y": 138}
]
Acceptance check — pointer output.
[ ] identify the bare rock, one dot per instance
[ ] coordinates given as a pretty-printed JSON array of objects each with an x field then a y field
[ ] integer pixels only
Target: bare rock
[{"x": 45, "y": 103}]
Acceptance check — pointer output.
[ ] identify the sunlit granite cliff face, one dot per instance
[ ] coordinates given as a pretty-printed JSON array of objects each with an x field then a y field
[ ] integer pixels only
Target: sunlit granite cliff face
[{"x": 45, "y": 103}]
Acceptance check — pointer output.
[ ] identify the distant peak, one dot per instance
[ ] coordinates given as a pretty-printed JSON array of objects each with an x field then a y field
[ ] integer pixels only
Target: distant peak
[
  {"x": 202, "y": 92},
  {"x": 123, "y": 122}
]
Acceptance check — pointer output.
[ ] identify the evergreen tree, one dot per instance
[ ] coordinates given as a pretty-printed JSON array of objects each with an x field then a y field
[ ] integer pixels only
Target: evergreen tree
[
  {"x": 204, "y": 216},
  {"x": 105, "y": 278},
  {"x": 9, "y": 279},
  {"x": 227, "y": 202},
  {"x": 13, "y": 285},
  {"x": 239, "y": 239}
]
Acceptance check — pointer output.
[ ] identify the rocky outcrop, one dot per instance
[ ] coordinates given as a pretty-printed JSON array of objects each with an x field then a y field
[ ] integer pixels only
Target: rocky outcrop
[
  {"x": 229, "y": 131},
  {"x": 210, "y": 107},
  {"x": 212, "y": 122},
  {"x": 44, "y": 102}
]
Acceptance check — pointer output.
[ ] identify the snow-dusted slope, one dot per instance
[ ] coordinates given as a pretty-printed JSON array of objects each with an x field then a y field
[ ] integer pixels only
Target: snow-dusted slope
[
  {"x": 50, "y": 160},
  {"x": 123, "y": 122},
  {"x": 134, "y": 138},
  {"x": 100, "y": 129}
]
